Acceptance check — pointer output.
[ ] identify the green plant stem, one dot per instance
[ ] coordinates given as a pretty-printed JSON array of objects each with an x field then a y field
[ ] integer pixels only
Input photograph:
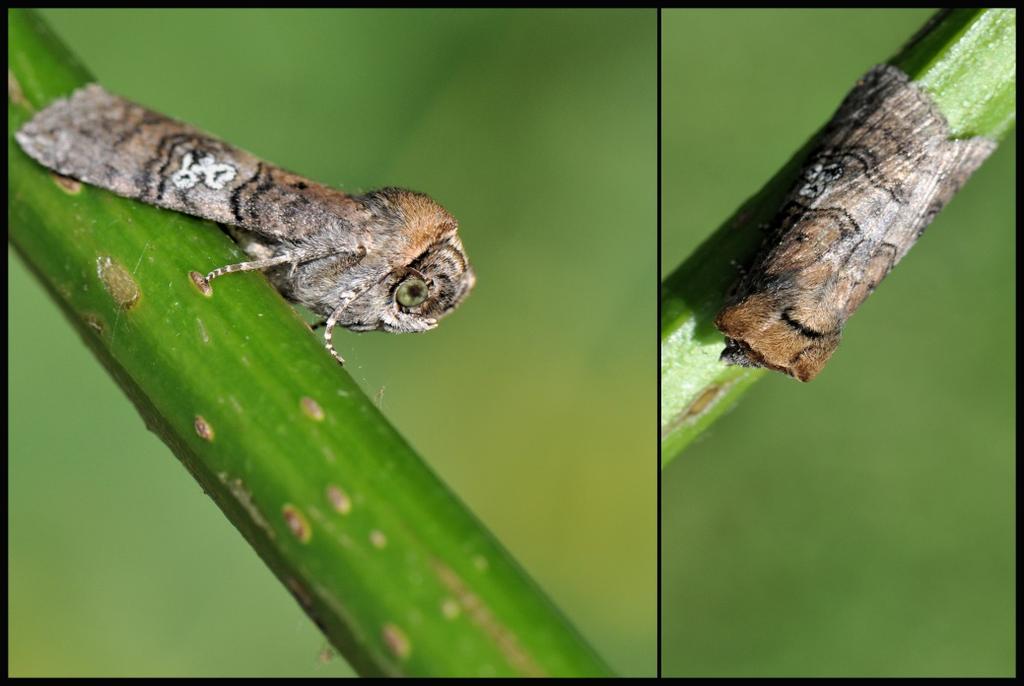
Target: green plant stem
[
  {"x": 400, "y": 577},
  {"x": 966, "y": 59}
]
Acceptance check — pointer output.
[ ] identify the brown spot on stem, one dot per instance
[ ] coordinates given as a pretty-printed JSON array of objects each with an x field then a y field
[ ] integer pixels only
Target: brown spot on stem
[
  {"x": 699, "y": 407},
  {"x": 450, "y": 608},
  {"x": 244, "y": 498},
  {"x": 201, "y": 283},
  {"x": 203, "y": 428},
  {"x": 66, "y": 183},
  {"x": 339, "y": 499},
  {"x": 312, "y": 409},
  {"x": 118, "y": 282},
  {"x": 94, "y": 322},
  {"x": 378, "y": 539},
  {"x": 15, "y": 94},
  {"x": 482, "y": 617},
  {"x": 703, "y": 401},
  {"x": 396, "y": 641},
  {"x": 297, "y": 523}
]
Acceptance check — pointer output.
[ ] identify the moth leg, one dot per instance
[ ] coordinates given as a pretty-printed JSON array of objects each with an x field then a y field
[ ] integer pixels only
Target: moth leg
[
  {"x": 356, "y": 255},
  {"x": 347, "y": 299},
  {"x": 203, "y": 282},
  {"x": 294, "y": 258},
  {"x": 329, "y": 331},
  {"x": 249, "y": 266}
]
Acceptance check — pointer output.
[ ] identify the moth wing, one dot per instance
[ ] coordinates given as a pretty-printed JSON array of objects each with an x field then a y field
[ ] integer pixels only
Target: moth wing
[
  {"x": 109, "y": 142},
  {"x": 884, "y": 168}
]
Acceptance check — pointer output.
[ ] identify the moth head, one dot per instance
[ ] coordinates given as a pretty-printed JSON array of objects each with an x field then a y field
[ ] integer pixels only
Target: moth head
[
  {"x": 428, "y": 288},
  {"x": 428, "y": 274},
  {"x": 762, "y": 331}
]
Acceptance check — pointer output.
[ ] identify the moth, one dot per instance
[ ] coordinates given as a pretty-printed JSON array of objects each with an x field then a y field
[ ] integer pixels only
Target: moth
[
  {"x": 881, "y": 169},
  {"x": 388, "y": 260}
]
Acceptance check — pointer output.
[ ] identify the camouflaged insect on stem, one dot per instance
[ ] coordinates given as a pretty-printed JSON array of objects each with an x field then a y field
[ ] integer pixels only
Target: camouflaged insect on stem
[
  {"x": 388, "y": 260},
  {"x": 881, "y": 170}
]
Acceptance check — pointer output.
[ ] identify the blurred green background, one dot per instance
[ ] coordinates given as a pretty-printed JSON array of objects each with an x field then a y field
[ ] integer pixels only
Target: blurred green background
[
  {"x": 861, "y": 524},
  {"x": 537, "y": 131}
]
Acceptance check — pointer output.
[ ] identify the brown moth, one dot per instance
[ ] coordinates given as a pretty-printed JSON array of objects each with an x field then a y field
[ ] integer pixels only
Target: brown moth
[
  {"x": 881, "y": 170},
  {"x": 388, "y": 260}
]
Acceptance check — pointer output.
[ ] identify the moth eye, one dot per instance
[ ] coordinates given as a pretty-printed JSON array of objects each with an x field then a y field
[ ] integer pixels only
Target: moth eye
[{"x": 411, "y": 292}]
